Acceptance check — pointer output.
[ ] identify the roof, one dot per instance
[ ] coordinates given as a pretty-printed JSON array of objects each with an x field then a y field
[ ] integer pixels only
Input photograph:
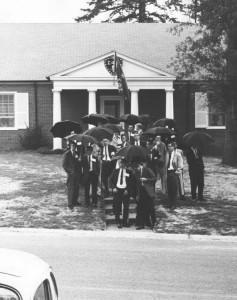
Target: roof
[
  {"x": 19, "y": 264},
  {"x": 22, "y": 271},
  {"x": 35, "y": 51}
]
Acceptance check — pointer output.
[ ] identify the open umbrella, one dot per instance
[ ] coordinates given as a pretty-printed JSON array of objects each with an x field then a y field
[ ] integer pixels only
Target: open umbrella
[
  {"x": 159, "y": 131},
  {"x": 100, "y": 133},
  {"x": 94, "y": 119},
  {"x": 64, "y": 128},
  {"x": 131, "y": 151},
  {"x": 129, "y": 119},
  {"x": 111, "y": 118},
  {"x": 81, "y": 138},
  {"x": 197, "y": 138},
  {"x": 114, "y": 127},
  {"x": 171, "y": 123},
  {"x": 145, "y": 119}
]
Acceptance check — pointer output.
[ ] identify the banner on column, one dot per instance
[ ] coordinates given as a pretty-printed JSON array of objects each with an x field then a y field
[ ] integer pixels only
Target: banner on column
[{"x": 122, "y": 83}]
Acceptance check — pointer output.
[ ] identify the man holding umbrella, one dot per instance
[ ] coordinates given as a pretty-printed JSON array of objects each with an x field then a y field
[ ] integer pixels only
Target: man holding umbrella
[
  {"x": 91, "y": 171},
  {"x": 196, "y": 171},
  {"x": 72, "y": 167},
  {"x": 107, "y": 153},
  {"x": 123, "y": 184}
]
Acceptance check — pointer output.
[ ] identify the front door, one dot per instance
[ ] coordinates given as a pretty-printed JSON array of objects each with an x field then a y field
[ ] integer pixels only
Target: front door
[{"x": 112, "y": 105}]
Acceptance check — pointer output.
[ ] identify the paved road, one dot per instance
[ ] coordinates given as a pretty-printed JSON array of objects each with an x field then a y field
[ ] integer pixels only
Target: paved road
[{"x": 134, "y": 266}]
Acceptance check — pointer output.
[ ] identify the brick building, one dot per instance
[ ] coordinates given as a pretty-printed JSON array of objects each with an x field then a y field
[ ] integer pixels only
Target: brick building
[{"x": 53, "y": 72}]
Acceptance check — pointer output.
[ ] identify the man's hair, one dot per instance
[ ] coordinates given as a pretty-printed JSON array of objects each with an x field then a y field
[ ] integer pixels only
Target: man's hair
[{"x": 171, "y": 144}]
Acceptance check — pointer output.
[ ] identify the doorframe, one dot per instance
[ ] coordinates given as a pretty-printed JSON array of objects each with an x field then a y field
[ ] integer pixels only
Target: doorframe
[{"x": 113, "y": 98}]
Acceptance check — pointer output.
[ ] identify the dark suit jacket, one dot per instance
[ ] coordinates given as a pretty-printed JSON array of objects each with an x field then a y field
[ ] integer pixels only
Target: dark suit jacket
[
  {"x": 86, "y": 167},
  {"x": 71, "y": 165},
  {"x": 194, "y": 162},
  {"x": 149, "y": 185},
  {"x": 130, "y": 180},
  {"x": 111, "y": 149}
]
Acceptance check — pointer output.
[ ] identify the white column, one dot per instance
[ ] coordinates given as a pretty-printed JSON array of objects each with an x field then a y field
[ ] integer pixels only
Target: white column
[
  {"x": 169, "y": 104},
  {"x": 134, "y": 102},
  {"x": 57, "y": 142},
  {"x": 92, "y": 104}
]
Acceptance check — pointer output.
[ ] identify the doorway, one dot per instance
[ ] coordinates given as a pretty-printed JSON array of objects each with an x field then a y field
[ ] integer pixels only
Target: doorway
[{"x": 112, "y": 105}]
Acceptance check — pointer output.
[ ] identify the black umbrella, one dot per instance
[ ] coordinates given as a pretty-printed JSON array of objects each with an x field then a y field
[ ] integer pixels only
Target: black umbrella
[
  {"x": 100, "y": 133},
  {"x": 171, "y": 123},
  {"x": 129, "y": 119},
  {"x": 145, "y": 119},
  {"x": 111, "y": 118},
  {"x": 197, "y": 138},
  {"x": 159, "y": 131},
  {"x": 115, "y": 128},
  {"x": 131, "y": 151},
  {"x": 81, "y": 138},
  {"x": 94, "y": 119},
  {"x": 64, "y": 128}
]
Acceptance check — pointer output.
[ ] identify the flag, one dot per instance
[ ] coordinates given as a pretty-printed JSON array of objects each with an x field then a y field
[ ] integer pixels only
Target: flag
[{"x": 122, "y": 83}]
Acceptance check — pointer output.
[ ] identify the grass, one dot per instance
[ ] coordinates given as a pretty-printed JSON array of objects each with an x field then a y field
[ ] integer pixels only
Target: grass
[{"x": 33, "y": 194}]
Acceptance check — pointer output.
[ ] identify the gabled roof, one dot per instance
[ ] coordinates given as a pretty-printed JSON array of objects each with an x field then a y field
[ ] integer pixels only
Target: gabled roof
[{"x": 35, "y": 51}]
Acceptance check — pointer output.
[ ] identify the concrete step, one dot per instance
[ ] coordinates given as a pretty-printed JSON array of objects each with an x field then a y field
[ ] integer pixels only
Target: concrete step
[
  {"x": 109, "y": 200},
  {"x": 111, "y": 220},
  {"x": 109, "y": 208}
]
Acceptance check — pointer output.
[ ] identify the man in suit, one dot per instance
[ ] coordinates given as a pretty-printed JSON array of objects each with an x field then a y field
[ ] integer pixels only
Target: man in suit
[
  {"x": 181, "y": 177},
  {"x": 139, "y": 129},
  {"x": 107, "y": 152},
  {"x": 91, "y": 171},
  {"x": 130, "y": 134},
  {"x": 124, "y": 141},
  {"x": 72, "y": 166},
  {"x": 160, "y": 158},
  {"x": 152, "y": 156},
  {"x": 196, "y": 172},
  {"x": 123, "y": 184},
  {"x": 145, "y": 194},
  {"x": 174, "y": 168}
]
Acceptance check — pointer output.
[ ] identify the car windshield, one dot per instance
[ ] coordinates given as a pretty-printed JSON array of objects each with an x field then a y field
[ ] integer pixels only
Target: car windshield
[{"x": 7, "y": 294}]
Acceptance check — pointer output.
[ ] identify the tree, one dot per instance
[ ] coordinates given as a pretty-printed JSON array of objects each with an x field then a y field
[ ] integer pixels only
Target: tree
[
  {"x": 212, "y": 55},
  {"x": 141, "y": 11}
]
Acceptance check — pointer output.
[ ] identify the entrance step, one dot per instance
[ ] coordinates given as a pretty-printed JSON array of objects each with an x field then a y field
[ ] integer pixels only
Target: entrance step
[{"x": 109, "y": 216}]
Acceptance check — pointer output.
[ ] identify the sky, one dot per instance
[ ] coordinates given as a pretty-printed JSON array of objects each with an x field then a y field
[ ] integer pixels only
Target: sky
[{"x": 40, "y": 11}]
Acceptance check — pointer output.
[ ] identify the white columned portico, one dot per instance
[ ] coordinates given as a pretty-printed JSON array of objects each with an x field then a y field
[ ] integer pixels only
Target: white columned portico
[
  {"x": 57, "y": 115},
  {"x": 134, "y": 102},
  {"x": 169, "y": 113},
  {"x": 92, "y": 104}
]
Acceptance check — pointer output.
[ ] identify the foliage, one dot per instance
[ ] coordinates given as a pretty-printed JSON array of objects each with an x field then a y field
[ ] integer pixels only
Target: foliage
[
  {"x": 211, "y": 54},
  {"x": 142, "y": 11},
  {"x": 33, "y": 138}
]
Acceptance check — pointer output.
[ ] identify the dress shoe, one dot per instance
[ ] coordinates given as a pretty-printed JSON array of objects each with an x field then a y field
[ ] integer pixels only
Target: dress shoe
[
  {"x": 201, "y": 199},
  {"x": 77, "y": 204},
  {"x": 70, "y": 207},
  {"x": 126, "y": 225},
  {"x": 119, "y": 225},
  {"x": 140, "y": 227}
]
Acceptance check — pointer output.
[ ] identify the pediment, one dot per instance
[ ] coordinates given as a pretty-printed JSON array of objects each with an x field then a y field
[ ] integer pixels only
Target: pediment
[{"x": 96, "y": 69}]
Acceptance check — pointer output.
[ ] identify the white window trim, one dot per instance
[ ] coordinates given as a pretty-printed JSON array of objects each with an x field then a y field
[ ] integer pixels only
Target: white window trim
[
  {"x": 15, "y": 95},
  {"x": 207, "y": 126}
]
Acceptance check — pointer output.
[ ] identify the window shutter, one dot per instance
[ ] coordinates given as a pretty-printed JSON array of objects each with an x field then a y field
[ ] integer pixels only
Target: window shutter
[
  {"x": 201, "y": 110},
  {"x": 22, "y": 110}
]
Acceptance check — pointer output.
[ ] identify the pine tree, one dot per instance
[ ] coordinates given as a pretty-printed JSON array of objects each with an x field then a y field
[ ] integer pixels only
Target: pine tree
[{"x": 135, "y": 11}]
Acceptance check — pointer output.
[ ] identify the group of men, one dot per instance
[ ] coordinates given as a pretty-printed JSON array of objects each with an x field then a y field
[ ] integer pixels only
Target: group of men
[{"x": 97, "y": 168}]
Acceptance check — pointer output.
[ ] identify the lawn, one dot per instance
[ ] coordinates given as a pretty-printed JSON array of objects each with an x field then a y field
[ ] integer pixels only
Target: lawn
[{"x": 33, "y": 194}]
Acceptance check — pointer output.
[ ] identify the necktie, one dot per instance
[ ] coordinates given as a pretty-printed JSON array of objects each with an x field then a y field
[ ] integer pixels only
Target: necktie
[
  {"x": 89, "y": 159},
  {"x": 106, "y": 153},
  {"x": 121, "y": 178}
]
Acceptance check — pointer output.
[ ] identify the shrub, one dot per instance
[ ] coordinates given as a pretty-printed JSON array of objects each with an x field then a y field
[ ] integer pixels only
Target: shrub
[{"x": 33, "y": 138}]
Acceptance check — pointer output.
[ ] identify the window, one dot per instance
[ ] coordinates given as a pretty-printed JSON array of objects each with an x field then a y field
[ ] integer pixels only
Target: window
[
  {"x": 7, "y": 110},
  {"x": 14, "y": 110},
  {"x": 6, "y": 293},
  {"x": 43, "y": 292},
  {"x": 207, "y": 115}
]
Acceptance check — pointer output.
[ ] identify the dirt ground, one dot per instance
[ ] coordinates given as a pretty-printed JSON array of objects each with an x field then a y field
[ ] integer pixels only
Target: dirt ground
[{"x": 33, "y": 194}]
